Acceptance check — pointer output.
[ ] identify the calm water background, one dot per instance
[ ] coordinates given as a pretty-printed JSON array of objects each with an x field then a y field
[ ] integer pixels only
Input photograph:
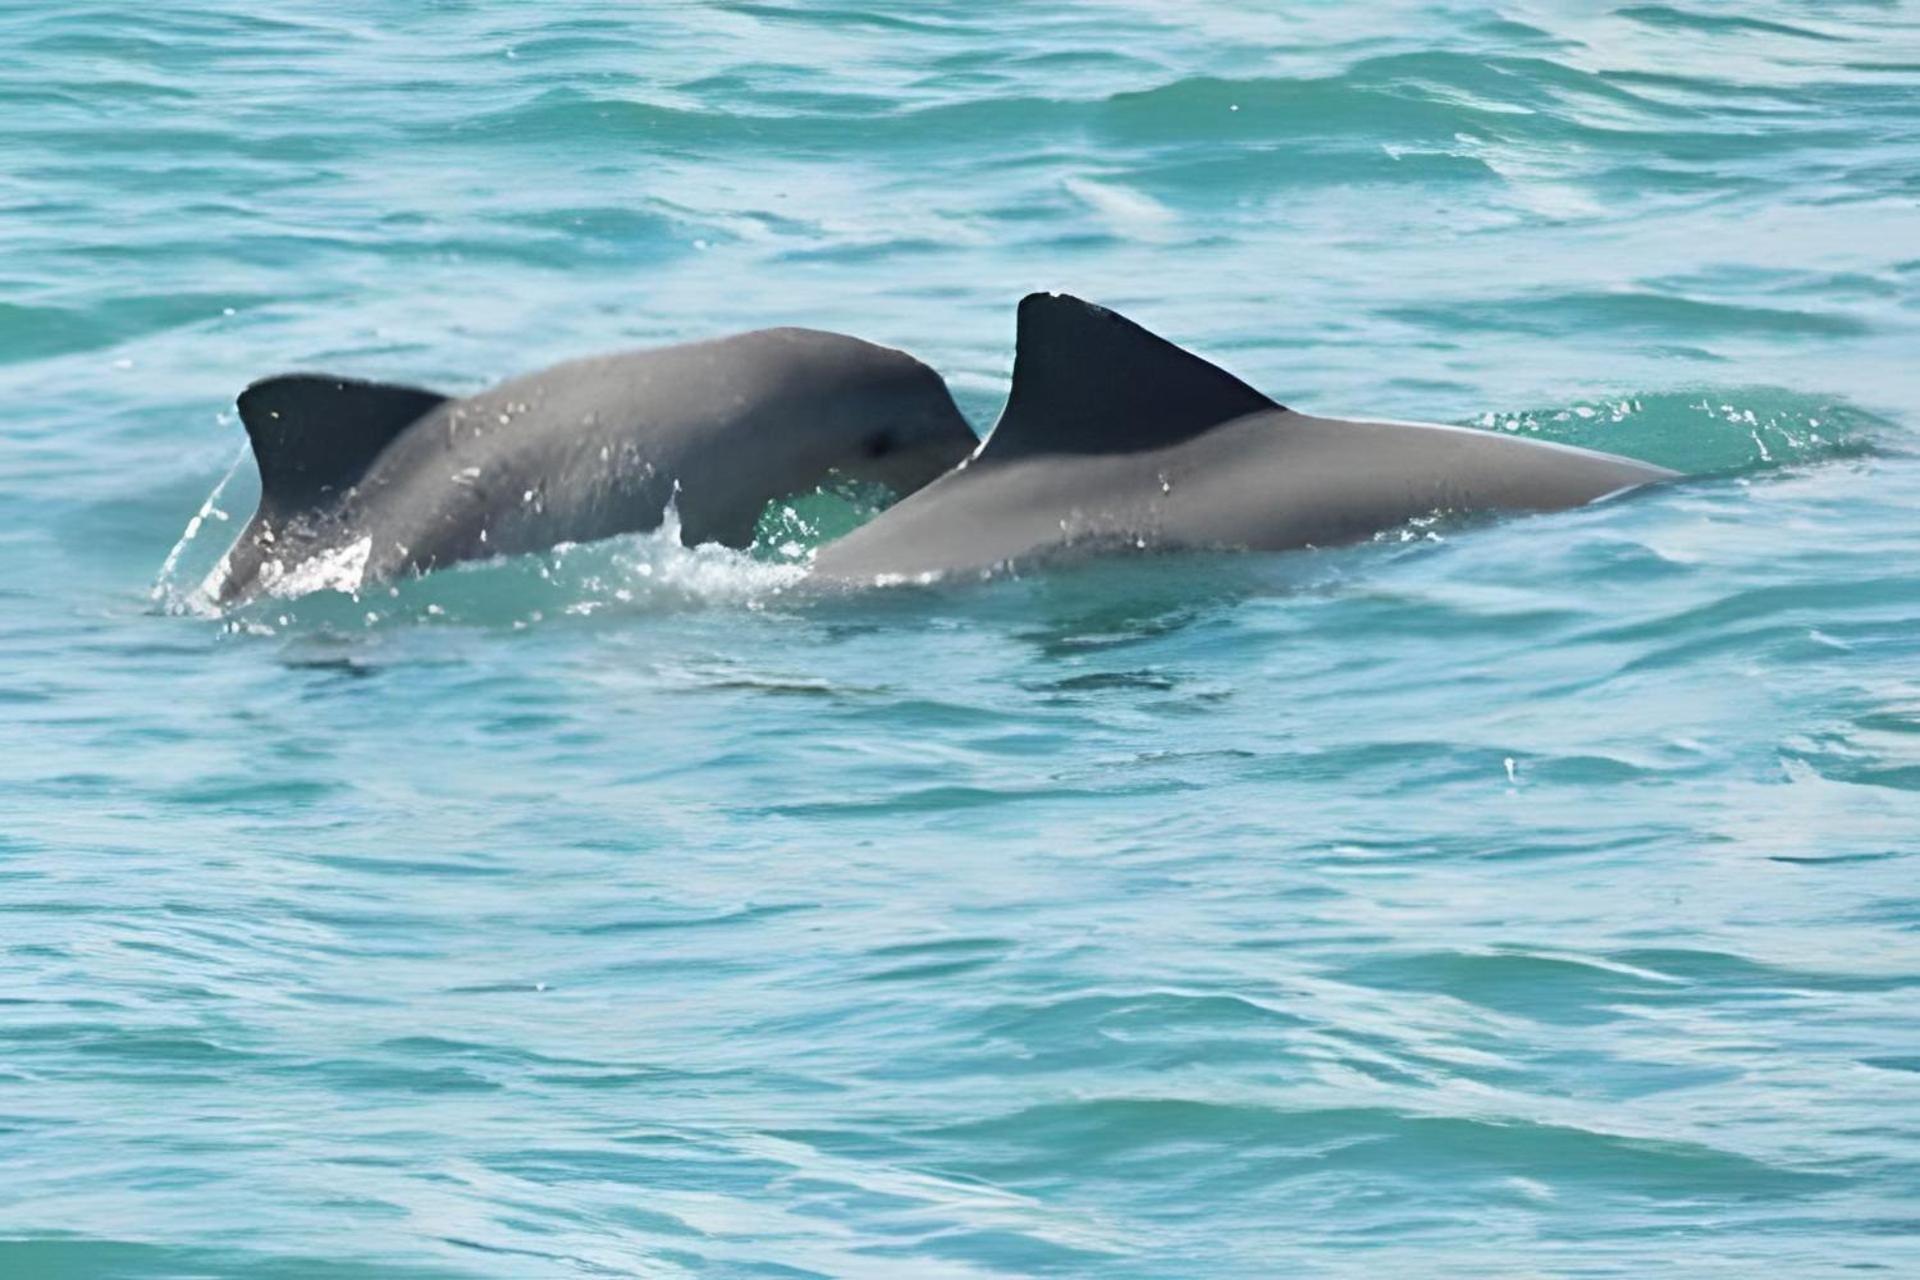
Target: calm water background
[{"x": 1529, "y": 898}]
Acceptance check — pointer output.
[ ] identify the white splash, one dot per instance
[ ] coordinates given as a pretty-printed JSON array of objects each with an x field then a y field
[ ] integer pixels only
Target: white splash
[
  {"x": 657, "y": 566},
  {"x": 201, "y": 600},
  {"x": 633, "y": 572},
  {"x": 210, "y": 509},
  {"x": 341, "y": 569}
]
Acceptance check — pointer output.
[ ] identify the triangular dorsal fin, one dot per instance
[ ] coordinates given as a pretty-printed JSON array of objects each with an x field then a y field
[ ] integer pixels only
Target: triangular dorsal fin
[
  {"x": 1087, "y": 380},
  {"x": 314, "y": 434}
]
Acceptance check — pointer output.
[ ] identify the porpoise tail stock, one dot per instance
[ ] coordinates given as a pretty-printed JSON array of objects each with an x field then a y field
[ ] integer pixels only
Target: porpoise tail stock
[
  {"x": 1116, "y": 439},
  {"x": 366, "y": 481}
]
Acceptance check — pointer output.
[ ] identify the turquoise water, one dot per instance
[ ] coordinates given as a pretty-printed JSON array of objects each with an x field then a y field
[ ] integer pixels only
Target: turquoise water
[{"x": 1524, "y": 898}]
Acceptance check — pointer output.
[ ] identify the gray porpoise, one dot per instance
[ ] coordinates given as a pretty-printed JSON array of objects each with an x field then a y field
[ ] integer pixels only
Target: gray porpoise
[
  {"x": 1113, "y": 438},
  {"x": 370, "y": 481}
]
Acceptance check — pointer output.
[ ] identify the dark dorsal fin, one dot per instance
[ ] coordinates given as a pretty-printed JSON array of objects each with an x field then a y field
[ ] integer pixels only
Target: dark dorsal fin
[
  {"x": 1087, "y": 380},
  {"x": 315, "y": 435}
]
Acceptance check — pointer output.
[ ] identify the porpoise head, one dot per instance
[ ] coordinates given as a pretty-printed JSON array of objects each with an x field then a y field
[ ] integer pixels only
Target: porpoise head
[{"x": 882, "y": 416}]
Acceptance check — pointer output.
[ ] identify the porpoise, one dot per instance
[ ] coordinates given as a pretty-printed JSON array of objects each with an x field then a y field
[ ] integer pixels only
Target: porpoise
[
  {"x": 368, "y": 481},
  {"x": 1115, "y": 439}
]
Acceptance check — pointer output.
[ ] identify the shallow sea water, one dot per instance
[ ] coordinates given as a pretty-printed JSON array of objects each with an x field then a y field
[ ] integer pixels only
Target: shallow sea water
[{"x": 1515, "y": 898}]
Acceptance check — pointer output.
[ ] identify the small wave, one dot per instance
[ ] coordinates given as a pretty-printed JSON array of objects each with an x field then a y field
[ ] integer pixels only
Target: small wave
[
  {"x": 29, "y": 332},
  {"x": 1636, "y": 311},
  {"x": 1712, "y": 431},
  {"x": 1407, "y": 98},
  {"x": 1127, "y": 1136},
  {"x": 840, "y": 17},
  {"x": 1668, "y": 18}
]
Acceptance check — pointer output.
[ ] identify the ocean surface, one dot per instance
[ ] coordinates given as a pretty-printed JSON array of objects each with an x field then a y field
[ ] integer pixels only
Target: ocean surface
[{"x": 1505, "y": 898}]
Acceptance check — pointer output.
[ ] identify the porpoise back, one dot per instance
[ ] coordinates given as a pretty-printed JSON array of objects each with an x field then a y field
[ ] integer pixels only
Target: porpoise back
[{"x": 1115, "y": 439}]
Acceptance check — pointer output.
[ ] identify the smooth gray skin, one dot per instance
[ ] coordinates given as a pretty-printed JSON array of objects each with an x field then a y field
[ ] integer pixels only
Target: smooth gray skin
[
  {"x": 581, "y": 451},
  {"x": 1114, "y": 438}
]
